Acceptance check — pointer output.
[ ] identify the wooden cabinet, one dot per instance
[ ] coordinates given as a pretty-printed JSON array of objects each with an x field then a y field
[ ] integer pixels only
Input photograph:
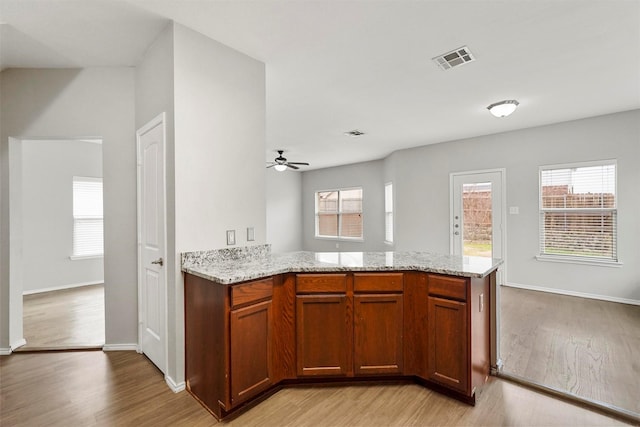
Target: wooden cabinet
[
  {"x": 458, "y": 332},
  {"x": 228, "y": 339},
  {"x": 322, "y": 335},
  {"x": 250, "y": 351},
  {"x": 349, "y": 324},
  {"x": 448, "y": 350},
  {"x": 243, "y": 341},
  {"x": 378, "y": 323},
  {"x": 323, "y": 327},
  {"x": 377, "y": 334}
]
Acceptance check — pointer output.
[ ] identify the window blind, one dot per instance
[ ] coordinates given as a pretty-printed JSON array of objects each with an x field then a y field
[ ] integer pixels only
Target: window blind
[
  {"x": 88, "y": 232},
  {"x": 578, "y": 211}
]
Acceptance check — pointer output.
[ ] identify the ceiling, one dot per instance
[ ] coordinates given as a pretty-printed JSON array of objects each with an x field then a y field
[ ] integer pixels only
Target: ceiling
[{"x": 334, "y": 66}]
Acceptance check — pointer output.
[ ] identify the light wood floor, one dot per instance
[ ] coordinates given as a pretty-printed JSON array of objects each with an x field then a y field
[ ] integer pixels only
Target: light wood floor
[
  {"x": 125, "y": 389},
  {"x": 69, "y": 318},
  {"x": 586, "y": 347}
]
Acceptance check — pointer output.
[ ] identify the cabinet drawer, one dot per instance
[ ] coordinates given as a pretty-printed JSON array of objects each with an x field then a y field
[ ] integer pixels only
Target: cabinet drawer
[
  {"x": 448, "y": 287},
  {"x": 251, "y": 292},
  {"x": 377, "y": 282},
  {"x": 321, "y": 283}
]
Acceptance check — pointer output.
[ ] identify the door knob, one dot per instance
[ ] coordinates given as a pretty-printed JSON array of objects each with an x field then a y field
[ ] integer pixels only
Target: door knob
[
  {"x": 158, "y": 261},
  {"x": 456, "y": 233}
]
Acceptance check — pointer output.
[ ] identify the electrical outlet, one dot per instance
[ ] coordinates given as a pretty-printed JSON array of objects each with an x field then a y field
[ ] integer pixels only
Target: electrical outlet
[{"x": 231, "y": 237}]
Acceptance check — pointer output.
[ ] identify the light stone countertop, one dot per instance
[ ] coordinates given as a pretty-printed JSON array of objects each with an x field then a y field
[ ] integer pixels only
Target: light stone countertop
[{"x": 241, "y": 264}]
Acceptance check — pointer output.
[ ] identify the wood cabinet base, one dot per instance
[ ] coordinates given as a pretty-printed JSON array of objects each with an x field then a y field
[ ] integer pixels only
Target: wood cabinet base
[{"x": 246, "y": 341}]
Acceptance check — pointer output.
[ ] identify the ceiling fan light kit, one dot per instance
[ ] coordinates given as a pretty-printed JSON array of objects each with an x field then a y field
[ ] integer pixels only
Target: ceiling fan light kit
[{"x": 281, "y": 164}]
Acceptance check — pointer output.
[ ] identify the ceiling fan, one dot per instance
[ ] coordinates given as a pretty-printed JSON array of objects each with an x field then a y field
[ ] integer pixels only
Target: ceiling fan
[{"x": 281, "y": 164}]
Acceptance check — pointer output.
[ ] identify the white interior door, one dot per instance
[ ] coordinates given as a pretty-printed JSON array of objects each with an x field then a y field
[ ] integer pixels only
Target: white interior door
[{"x": 152, "y": 280}]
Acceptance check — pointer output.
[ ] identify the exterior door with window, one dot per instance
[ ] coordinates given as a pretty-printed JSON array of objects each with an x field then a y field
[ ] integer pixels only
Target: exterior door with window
[
  {"x": 477, "y": 215},
  {"x": 151, "y": 242}
]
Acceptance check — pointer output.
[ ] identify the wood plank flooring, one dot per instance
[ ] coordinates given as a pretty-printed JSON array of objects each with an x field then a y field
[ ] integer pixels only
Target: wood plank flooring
[
  {"x": 586, "y": 347},
  {"x": 64, "y": 319},
  {"x": 125, "y": 389}
]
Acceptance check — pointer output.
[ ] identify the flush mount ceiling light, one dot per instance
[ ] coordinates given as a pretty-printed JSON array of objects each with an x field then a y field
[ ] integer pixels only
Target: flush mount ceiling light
[{"x": 503, "y": 108}]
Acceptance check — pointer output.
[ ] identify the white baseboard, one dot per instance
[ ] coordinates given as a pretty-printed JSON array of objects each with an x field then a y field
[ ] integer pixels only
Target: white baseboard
[
  {"x": 573, "y": 293},
  {"x": 18, "y": 344},
  {"x": 59, "y": 288},
  {"x": 120, "y": 347},
  {"x": 5, "y": 351},
  {"x": 175, "y": 387}
]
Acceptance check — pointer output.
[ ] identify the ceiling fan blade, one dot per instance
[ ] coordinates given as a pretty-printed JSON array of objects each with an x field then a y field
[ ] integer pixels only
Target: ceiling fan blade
[
  {"x": 289, "y": 165},
  {"x": 298, "y": 163},
  {"x": 270, "y": 166}
]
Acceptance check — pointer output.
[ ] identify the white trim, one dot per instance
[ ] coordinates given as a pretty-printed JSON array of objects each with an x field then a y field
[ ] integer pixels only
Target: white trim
[
  {"x": 120, "y": 347},
  {"x": 5, "y": 351},
  {"x": 19, "y": 343},
  {"x": 579, "y": 260},
  {"x": 574, "y": 293},
  {"x": 62, "y": 287},
  {"x": 587, "y": 164},
  {"x": 339, "y": 213},
  {"x": 160, "y": 119},
  {"x": 81, "y": 257},
  {"x": 175, "y": 387}
]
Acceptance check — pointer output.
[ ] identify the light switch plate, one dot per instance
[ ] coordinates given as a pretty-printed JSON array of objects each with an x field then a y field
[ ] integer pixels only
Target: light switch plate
[
  {"x": 251, "y": 236},
  {"x": 514, "y": 210}
]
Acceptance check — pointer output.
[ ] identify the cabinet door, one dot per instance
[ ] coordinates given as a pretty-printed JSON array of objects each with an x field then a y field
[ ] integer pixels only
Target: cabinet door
[
  {"x": 448, "y": 361},
  {"x": 322, "y": 335},
  {"x": 250, "y": 351},
  {"x": 378, "y": 328}
]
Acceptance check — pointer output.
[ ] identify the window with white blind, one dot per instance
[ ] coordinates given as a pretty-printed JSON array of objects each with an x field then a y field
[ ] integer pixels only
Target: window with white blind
[
  {"x": 578, "y": 212},
  {"x": 339, "y": 214},
  {"x": 388, "y": 213},
  {"x": 87, "y": 217}
]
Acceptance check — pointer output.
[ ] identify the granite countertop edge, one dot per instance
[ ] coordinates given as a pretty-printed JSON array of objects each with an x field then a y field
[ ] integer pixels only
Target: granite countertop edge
[{"x": 233, "y": 271}]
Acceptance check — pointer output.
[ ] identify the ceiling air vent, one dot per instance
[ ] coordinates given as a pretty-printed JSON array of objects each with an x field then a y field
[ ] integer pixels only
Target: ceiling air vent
[{"x": 456, "y": 57}]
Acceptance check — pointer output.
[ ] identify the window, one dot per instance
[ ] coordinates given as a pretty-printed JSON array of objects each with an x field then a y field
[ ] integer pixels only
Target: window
[
  {"x": 339, "y": 214},
  {"x": 578, "y": 211},
  {"x": 388, "y": 213},
  {"x": 87, "y": 217}
]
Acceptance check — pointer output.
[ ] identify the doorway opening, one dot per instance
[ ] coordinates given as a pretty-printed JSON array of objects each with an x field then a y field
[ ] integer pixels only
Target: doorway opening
[{"x": 56, "y": 247}]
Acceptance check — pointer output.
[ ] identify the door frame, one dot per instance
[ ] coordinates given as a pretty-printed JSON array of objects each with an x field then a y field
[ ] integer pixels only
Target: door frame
[
  {"x": 496, "y": 362},
  {"x": 160, "y": 119}
]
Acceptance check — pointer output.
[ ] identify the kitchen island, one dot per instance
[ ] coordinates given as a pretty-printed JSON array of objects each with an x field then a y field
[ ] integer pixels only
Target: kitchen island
[{"x": 257, "y": 321}]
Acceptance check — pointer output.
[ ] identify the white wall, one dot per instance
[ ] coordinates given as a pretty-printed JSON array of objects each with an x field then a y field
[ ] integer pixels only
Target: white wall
[
  {"x": 220, "y": 148},
  {"x": 369, "y": 176},
  {"x": 214, "y": 98},
  {"x": 48, "y": 168},
  {"x": 284, "y": 210},
  {"x": 421, "y": 177},
  {"x": 92, "y": 102},
  {"x": 155, "y": 95}
]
